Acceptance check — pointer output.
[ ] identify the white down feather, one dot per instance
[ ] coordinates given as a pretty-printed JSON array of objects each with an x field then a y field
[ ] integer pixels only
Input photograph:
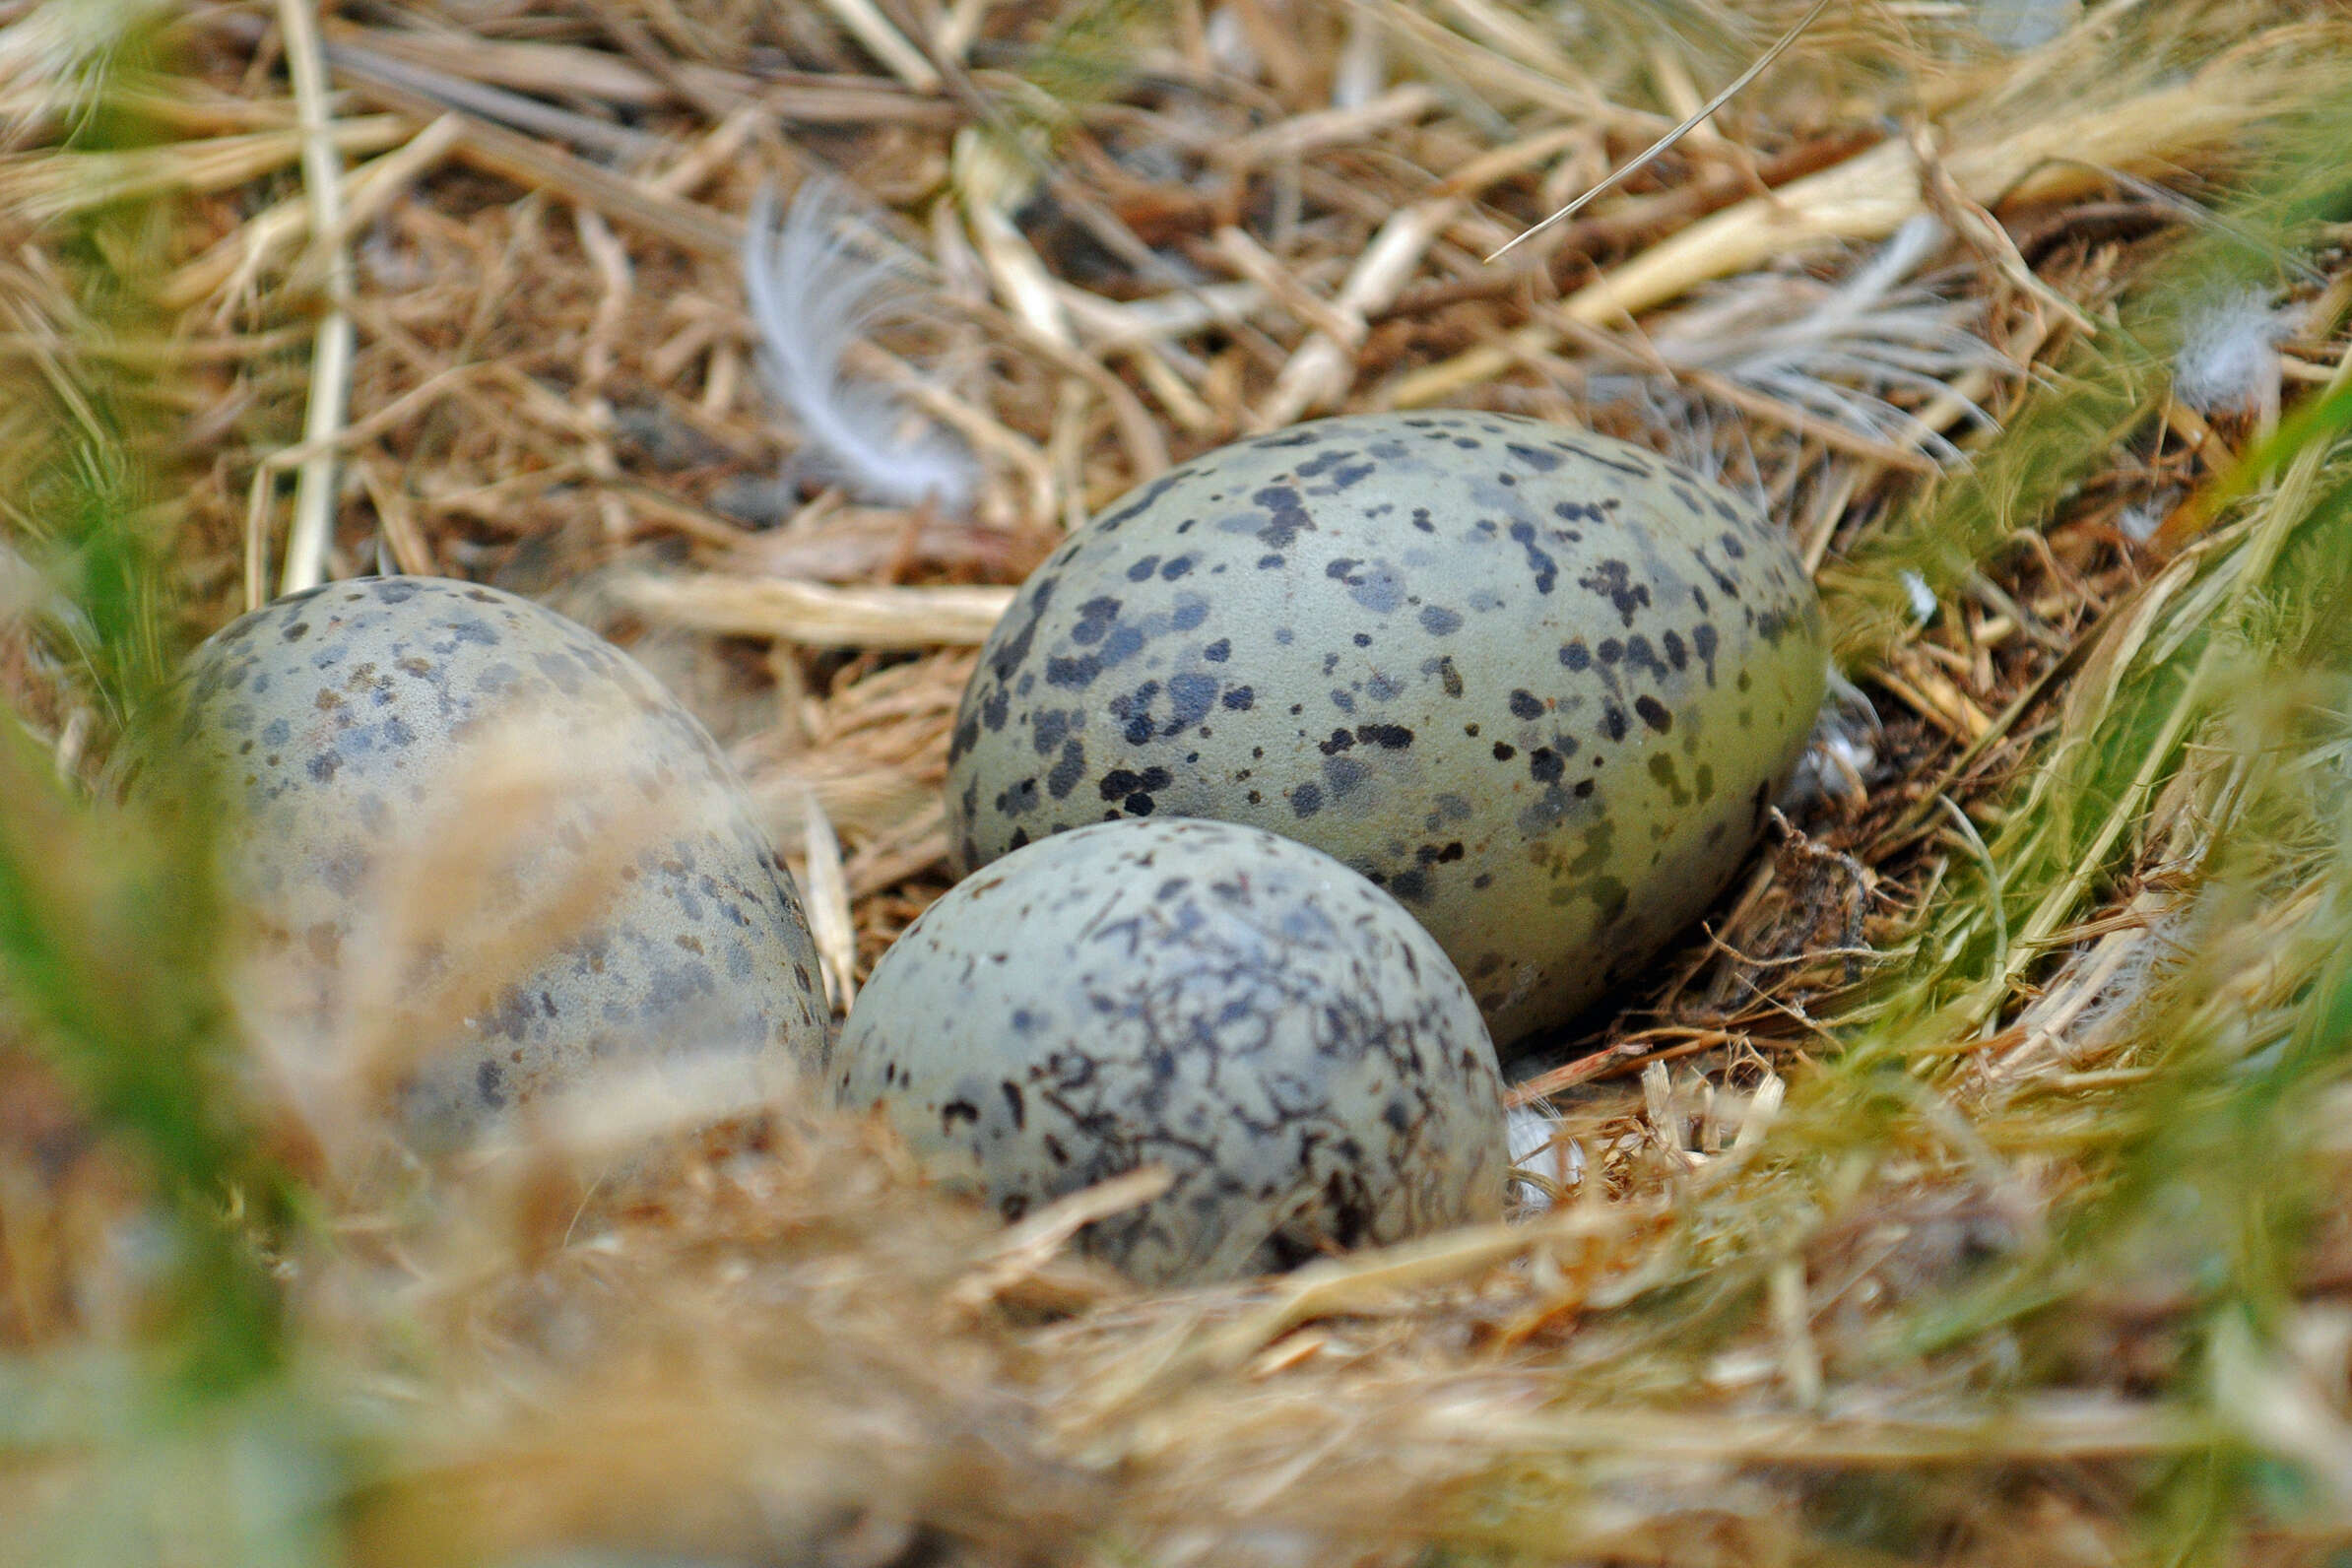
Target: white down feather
[
  {"x": 811, "y": 295},
  {"x": 1841, "y": 351}
]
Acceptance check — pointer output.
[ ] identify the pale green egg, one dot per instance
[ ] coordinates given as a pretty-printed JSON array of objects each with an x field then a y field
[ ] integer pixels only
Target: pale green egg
[
  {"x": 1242, "y": 1011},
  {"x": 342, "y": 725}
]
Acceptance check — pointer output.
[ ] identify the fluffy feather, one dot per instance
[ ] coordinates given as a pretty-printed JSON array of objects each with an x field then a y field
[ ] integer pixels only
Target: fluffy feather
[
  {"x": 57, "y": 58},
  {"x": 2228, "y": 358},
  {"x": 1701, "y": 435},
  {"x": 2020, "y": 24},
  {"x": 1539, "y": 1165},
  {"x": 810, "y": 296},
  {"x": 1841, "y": 351},
  {"x": 2138, "y": 523},
  {"x": 1841, "y": 754},
  {"x": 1923, "y": 598}
]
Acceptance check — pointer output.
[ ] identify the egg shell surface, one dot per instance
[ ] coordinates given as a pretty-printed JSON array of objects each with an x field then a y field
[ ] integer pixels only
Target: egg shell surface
[
  {"x": 1540, "y": 684},
  {"x": 342, "y": 724},
  {"x": 1229, "y": 1004}
]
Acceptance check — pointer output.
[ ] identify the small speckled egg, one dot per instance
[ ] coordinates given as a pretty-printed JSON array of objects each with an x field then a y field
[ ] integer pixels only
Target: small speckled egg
[
  {"x": 344, "y": 722},
  {"x": 1538, "y": 685},
  {"x": 1229, "y": 1004}
]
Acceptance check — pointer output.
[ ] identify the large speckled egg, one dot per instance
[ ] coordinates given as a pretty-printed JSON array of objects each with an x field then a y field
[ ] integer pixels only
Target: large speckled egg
[
  {"x": 1234, "y": 1006},
  {"x": 363, "y": 729},
  {"x": 1538, "y": 684}
]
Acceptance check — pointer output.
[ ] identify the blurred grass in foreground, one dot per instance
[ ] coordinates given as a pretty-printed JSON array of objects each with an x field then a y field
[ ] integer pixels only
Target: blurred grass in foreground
[{"x": 112, "y": 951}]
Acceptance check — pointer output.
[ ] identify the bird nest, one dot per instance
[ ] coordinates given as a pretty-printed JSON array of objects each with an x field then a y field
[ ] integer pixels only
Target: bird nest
[{"x": 1966, "y": 1187}]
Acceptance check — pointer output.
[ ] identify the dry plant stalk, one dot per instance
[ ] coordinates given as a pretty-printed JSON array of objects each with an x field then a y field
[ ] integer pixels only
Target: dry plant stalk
[{"x": 817, "y": 615}]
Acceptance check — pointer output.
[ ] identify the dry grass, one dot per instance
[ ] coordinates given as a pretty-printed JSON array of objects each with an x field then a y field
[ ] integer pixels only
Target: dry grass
[{"x": 1968, "y": 1190}]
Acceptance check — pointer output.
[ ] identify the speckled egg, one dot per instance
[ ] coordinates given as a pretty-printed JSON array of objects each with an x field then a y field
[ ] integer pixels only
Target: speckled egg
[
  {"x": 1538, "y": 685},
  {"x": 1231, "y": 1005},
  {"x": 352, "y": 724}
]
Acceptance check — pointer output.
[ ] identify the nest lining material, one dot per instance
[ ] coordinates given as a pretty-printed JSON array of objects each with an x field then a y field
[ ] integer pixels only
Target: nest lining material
[{"x": 1854, "y": 1229}]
